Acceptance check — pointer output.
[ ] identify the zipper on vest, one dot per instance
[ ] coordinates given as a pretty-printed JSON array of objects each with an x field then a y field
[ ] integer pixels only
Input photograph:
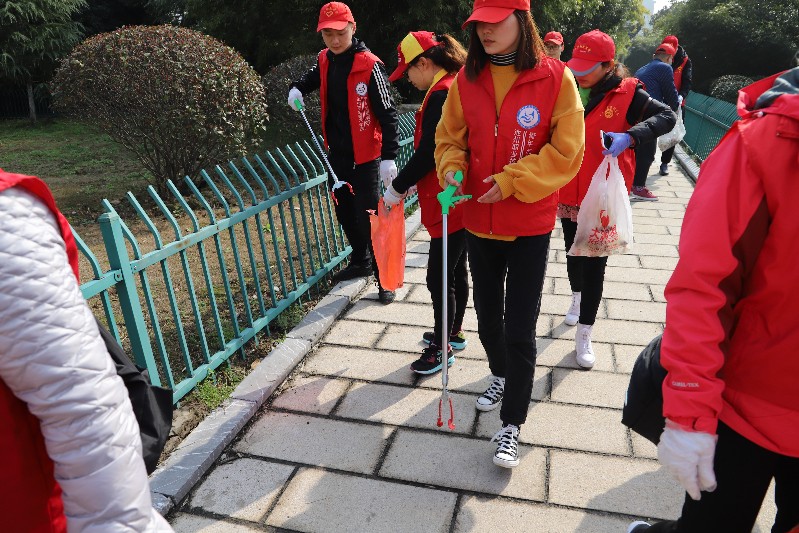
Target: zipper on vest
[{"x": 496, "y": 129}]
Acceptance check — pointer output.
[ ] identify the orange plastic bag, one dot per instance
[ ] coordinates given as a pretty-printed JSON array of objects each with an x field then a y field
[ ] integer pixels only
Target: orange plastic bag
[{"x": 388, "y": 242}]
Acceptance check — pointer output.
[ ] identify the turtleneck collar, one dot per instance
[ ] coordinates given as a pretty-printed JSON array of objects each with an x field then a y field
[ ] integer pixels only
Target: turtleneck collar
[{"x": 502, "y": 59}]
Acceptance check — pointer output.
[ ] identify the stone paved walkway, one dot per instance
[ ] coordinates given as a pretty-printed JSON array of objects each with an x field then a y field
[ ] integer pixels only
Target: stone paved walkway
[{"x": 350, "y": 443}]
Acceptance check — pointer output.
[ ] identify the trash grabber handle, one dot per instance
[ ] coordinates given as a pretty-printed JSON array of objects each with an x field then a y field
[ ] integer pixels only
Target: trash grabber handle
[{"x": 301, "y": 109}]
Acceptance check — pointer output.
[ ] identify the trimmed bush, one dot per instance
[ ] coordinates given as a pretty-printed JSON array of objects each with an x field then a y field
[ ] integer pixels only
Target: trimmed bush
[
  {"x": 277, "y": 82},
  {"x": 727, "y": 87},
  {"x": 178, "y": 99}
]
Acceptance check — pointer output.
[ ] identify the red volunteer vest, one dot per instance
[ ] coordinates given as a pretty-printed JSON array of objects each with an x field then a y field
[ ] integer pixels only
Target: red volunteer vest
[
  {"x": 609, "y": 115},
  {"x": 522, "y": 128},
  {"x": 678, "y": 75},
  {"x": 367, "y": 135},
  {"x": 428, "y": 186},
  {"x": 30, "y": 497}
]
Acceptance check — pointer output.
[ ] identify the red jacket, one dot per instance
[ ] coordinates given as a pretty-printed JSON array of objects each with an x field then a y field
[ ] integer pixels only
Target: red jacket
[
  {"x": 367, "y": 135},
  {"x": 428, "y": 186},
  {"x": 609, "y": 115},
  {"x": 28, "y": 484},
  {"x": 522, "y": 128},
  {"x": 731, "y": 335},
  {"x": 678, "y": 74}
]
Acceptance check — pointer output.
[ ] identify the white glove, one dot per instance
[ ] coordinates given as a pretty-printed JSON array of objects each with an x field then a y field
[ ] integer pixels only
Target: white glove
[
  {"x": 688, "y": 456},
  {"x": 388, "y": 171},
  {"x": 392, "y": 197},
  {"x": 295, "y": 94},
  {"x": 679, "y": 99}
]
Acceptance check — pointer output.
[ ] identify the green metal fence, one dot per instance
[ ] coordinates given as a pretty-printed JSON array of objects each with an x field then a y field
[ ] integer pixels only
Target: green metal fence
[
  {"x": 707, "y": 119},
  {"x": 248, "y": 240}
]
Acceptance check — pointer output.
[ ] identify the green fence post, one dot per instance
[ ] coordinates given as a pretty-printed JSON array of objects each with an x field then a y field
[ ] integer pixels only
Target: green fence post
[{"x": 111, "y": 228}]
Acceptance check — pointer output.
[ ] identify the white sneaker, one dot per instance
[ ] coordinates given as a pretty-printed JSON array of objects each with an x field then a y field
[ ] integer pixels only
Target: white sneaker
[
  {"x": 492, "y": 397},
  {"x": 573, "y": 314},
  {"x": 639, "y": 526},
  {"x": 583, "y": 348},
  {"x": 507, "y": 454}
]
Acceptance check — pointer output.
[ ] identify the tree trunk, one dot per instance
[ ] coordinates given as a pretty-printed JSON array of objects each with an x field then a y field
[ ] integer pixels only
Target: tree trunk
[{"x": 31, "y": 102}]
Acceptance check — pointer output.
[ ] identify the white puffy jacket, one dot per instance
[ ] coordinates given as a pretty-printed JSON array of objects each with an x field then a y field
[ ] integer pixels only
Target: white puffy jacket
[{"x": 53, "y": 359}]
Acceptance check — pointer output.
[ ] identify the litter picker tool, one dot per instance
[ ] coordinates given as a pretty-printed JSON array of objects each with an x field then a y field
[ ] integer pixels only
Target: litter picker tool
[
  {"x": 447, "y": 199},
  {"x": 336, "y": 182}
]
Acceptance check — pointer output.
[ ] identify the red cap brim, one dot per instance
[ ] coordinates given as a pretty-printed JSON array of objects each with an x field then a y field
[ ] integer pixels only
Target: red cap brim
[
  {"x": 581, "y": 67},
  {"x": 333, "y": 25},
  {"x": 492, "y": 15},
  {"x": 398, "y": 72}
]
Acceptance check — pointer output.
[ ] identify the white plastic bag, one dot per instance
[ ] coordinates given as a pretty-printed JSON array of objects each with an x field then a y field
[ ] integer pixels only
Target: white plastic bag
[
  {"x": 605, "y": 220},
  {"x": 670, "y": 139}
]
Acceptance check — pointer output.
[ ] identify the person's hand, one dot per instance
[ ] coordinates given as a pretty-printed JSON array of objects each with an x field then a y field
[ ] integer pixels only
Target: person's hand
[
  {"x": 621, "y": 141},
  {"x": 493, "y": 195},
  {"x": 413, "y": 190},
  {"x": 388, "y": 171},
  {"x": 295, "y": 94},
  {"x": 449, "y": 178},
  {"x": 392, "y": 197},
  {"x": 688, "y": 456}
]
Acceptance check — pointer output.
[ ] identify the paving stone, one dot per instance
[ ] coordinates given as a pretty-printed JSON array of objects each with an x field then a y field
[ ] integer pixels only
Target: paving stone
[
  {"x": 327, "y": 502},
  {"x": 631, "y": 289},
  {"x": 416, "y": 275},
  {"x": 566, "y": 426},
  {"x": 445, "y": 460},
  {"x": 355, "y": 333},
  {"x": 402, "y": 313},
  {"x": 413, "y": 260},
  {"x": 557, "y": 270},
  {"x": 626, "y": 354},
  {"x": 187, "y": 523},
  {"x": 556, "y": 304},
  {"x": 662, "y": 250},
  {"x": 315, "y": 441},
  {"x": 417, "y": 247},
  {"x": 543, "y": 328},
  {"x": 162, "y": 504},
  {"x": 662, "y": 263},
  {"x": 421, "y": 235},
  {"x": 636, "y": 487},
  {"x": 638, "y": 311},
  {"x": 645, "y": 238},
  {"x": 599, "y": 389},
  {"x": 271, "y": 371},
  {"x": 642, "y": 447},
  {"x": 652, "y": 229},
  {"x": 409, "y": 339},
  {"x": 243, "y": 488},
  {"x": 665, "y": 205},
  {"x": 560, "y": 353},
  {"x": 474, "y": 377},
  {"x": 615, "y": 331},
  {"x": 316, "y": 323},
  {"x": 653, "y": 217},
  {"x": 355, "y": 363},
  {"x": 629, "y": 261},
  {"x": 679, "y": 215},
  {"x": 311, "y": 394},
  {"x": 675, "y": 230},
  {"x": 404, "y": 406},
  {"x": 637, "y": 275},
  {"x": 657, "y": 292},
  {"x": 492, "y": 514},
  {"x": 420, "y": 294}
]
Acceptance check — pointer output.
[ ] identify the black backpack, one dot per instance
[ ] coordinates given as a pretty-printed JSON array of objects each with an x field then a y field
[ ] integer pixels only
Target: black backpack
[
  {"x": 643, "y": 407},
  {"x": 152, "y": 405}
]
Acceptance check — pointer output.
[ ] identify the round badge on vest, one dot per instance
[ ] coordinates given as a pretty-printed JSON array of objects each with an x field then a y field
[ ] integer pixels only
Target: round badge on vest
[
  {"x": 528, "y": 117},
  {"x": 361, "y": 89}
]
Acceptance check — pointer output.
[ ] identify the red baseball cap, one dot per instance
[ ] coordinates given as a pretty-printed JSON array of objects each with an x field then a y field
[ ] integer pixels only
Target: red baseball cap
[
  {"x": 672, "y": 40},
  {"x": 334, "y": 15},
  {"x": 591, "y": 49},
  {"x": 493, "y": 11},
  {"x": 554, "y": 37},
  {"x": 412, "y": 46},
  {"x": 666, "y": 48}
]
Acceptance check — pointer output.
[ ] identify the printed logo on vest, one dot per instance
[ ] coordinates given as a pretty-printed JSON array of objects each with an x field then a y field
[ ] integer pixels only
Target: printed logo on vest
[
  {"x": 361, "y": 89},
  {"x": 528, "y": 117},
  {"x": 611, "y": 111}
]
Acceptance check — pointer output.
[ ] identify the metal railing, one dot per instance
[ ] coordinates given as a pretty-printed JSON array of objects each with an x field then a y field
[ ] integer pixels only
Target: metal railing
[
  {"x": 707, "y": 119},
  {"x": 196, "y": 277}
]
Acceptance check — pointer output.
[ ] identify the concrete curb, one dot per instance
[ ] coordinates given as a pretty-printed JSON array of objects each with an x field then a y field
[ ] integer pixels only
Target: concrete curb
[
  {"x": 192, "y": 459},
  {"x": 687, "y": 164}
]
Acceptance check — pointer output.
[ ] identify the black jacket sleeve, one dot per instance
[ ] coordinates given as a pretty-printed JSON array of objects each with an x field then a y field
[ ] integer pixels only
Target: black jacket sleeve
[
  {"x": 422, "y": 161},
  {"x": 687, "y": 79},
  {"x": 310, "y": 81},
  {"x": 649, "y": 118},
  {"x": 383, "y": 108}
]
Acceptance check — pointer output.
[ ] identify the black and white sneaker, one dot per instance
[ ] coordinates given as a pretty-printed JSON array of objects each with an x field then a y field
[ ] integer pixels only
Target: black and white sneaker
[
  {"x": 431, "y": 360},
  {"x": 492, "y": 397},
  {"x": 507, "y": 454}
]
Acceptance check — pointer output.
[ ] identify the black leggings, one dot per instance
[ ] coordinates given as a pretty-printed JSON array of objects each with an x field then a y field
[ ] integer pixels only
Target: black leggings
[
  {"x": 586, "y": 275},
  {"x": 744, "y": 471},
  {"x": 508, "y": 277},
  {"x": 644, "y": 156},
  {"x": 457, "y": 279}
]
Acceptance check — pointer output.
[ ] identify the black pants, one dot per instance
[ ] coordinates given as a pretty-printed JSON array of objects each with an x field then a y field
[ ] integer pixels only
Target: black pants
[
  {"x": 586, "y": 275},
  {"x": 508, "y": 278},
  {"x": 644, "y": 156},
  {"x": 457, "y": 281},
  {"x": 743, "y": 472},
  {"x": 351, "y": 209},
  {"x": 668, "y": 154}
]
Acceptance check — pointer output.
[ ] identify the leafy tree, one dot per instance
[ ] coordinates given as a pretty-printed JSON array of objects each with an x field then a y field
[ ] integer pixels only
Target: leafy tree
[
  {"x": 178, "y": 99},
  {"x": 34, "y": 34},
  {"x": 102, "y": 16}
]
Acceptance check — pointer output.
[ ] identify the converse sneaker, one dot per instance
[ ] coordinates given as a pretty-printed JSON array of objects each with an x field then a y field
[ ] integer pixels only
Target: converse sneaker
[
  {"x": 583, "y": 348},
  {"x": 507, "y": 454},
  {"x": 638, "y": 526},
  {"x": 642, "y": 193},
  {"x": 456, "y": 342},
  {"x": 491, "y": 398},
  {"x": 573, "y": 314},
  {"x": 430, "y": 361}
]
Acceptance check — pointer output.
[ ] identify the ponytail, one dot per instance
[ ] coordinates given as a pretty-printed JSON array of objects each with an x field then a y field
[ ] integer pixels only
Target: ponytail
[{"x": 449, "y": 54}]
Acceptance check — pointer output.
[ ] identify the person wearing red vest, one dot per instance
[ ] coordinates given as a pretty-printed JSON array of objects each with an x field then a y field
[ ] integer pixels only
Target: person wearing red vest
[
  {"x": 513, "y": 124},
  {"x": 431, "y": 62},
  {"x": 730, "y": 393},
  {"x": 683, "y": 80},
  {"x": 359, "y": 124},
  {"x": 70, "y": 450},
  {"x": 625, "y": 111}
]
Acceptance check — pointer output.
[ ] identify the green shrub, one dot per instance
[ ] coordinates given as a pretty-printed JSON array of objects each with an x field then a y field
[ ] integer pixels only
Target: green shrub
[
  {"x": 727, "y": 87},
  {"x": 178, "y": 99}
]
